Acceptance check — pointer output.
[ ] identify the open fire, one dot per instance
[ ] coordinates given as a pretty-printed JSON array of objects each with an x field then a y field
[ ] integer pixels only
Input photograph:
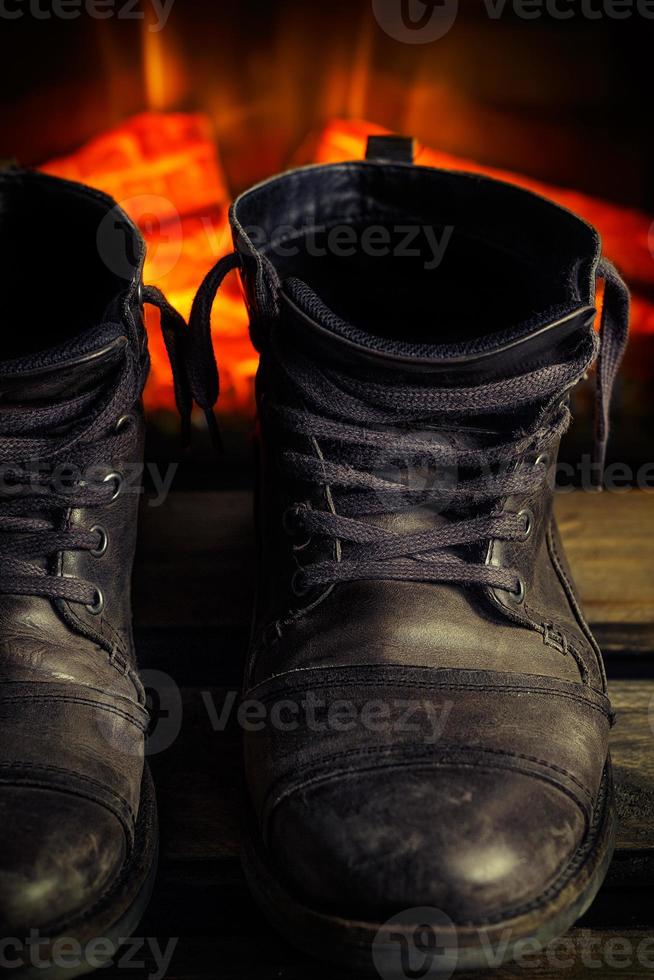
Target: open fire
[{"x": 165, "y": 170}]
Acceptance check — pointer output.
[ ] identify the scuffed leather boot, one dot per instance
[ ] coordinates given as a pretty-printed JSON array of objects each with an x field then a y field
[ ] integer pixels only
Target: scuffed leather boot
[
  {"x": 77, "y": 809},
  {"x": 428, "y": 743}
]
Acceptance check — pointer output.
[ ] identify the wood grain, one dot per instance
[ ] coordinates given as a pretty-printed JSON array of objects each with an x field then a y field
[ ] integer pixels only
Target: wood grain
[
  {"x": 196, "y": 559},
  {"x": 608, "y": 538}
]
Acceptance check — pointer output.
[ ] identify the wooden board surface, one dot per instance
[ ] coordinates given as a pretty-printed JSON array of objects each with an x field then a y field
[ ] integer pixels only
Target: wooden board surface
[
  {"x": 196, "y": 558},
  {"x": 193, "y": 592}
]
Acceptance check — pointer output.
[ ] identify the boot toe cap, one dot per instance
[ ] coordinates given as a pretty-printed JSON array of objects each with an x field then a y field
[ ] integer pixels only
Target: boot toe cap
[
  {"x": 478, "y": 844},
  {"x": 59, "y": 854}
]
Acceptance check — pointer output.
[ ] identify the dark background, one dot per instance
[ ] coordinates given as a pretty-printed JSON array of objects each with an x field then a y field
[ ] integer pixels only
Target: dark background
[{"x": 566, "y": 101}]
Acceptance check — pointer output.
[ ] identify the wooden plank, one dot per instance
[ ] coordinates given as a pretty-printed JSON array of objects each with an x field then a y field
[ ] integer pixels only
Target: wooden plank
[
  {"x": 631, "y": 748},
  {"x": 608, "y": 540},
  {"x": 195, "y": 564}
]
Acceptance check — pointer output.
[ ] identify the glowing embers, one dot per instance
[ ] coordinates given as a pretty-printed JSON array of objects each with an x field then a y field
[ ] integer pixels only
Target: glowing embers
[{"x": 165, "y": 170}]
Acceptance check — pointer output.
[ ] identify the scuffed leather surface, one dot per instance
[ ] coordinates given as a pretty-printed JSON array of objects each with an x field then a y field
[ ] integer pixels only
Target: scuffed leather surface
[
  {"x": 467, "y": 848},
  {"x": 493, "y": 712},
  {"x": 73, "y": 851},
  {"x": 451, "y": 797}
]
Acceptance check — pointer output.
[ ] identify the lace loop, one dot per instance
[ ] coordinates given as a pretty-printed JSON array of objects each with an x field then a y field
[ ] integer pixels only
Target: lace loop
[
  {"x": 175, "y": 335},
  {"x": 202, "y": 367}
]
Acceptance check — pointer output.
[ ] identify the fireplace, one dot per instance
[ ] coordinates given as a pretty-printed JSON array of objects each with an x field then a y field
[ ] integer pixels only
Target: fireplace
[{"x": 174, "y": 109}]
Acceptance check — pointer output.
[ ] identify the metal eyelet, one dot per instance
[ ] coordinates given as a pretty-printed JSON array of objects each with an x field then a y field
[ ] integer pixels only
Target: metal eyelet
[
  {"x": 519, "y": 597},
  {"x": 119, "y": 480},
  {"x": 104, "y": 541},
  {"x": 516, "y": 598},
  {"x": 298, "y": 589},
  {"x": 123, "y": 423},
  {"x": 98, "y": 605},
  {"x": 529, "y": 524}
]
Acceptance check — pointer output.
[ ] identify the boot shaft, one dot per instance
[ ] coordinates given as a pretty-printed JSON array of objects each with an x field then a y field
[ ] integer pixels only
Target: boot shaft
[{"x": 414, "y": 255}]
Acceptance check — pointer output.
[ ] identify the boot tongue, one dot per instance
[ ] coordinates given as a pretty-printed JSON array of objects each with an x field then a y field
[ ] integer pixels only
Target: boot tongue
[
  {"x": 64, "y": 371},
  {"x": 319, "y": 331}
]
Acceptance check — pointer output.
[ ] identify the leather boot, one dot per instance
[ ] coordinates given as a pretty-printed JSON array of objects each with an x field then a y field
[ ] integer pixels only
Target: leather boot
[
  {"x": 426, "y": 709},
  {"x": 77, "y": 809}
]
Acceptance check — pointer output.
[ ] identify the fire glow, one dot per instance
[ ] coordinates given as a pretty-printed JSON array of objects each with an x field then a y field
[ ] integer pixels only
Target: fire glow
[{"x": 165, "y": 170}]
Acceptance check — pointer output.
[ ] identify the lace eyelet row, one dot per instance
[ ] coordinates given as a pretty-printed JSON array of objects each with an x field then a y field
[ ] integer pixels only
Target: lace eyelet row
[{"x": 97, "y": 607}]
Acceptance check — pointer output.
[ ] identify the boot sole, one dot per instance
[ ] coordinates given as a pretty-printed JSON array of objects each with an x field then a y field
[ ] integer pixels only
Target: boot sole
[
  {"x": 350, "y": 943},
  {"x": 116, "y": 916}
]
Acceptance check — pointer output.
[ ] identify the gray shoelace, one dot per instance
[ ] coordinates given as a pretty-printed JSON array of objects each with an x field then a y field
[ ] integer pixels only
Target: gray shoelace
[
  {"x": 350, "y": 454},
  {"x": 349, "y": 426}
]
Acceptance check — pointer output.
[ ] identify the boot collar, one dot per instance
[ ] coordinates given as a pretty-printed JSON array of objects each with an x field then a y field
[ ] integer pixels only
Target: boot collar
[{"x": 502, "y": 354}]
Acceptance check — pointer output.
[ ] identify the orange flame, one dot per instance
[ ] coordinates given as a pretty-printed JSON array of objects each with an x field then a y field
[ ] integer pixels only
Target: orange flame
[{"x": 164, "y": 170}]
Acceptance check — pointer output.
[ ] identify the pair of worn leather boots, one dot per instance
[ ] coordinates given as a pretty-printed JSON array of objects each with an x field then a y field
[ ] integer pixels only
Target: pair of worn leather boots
[{"x": 435, "y": 751}]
